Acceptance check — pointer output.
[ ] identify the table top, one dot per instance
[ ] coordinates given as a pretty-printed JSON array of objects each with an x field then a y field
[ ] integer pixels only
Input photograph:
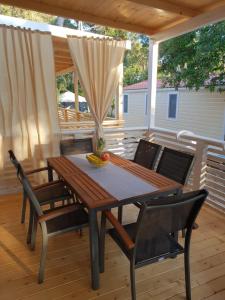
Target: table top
[{"x": 93, "y": 194}]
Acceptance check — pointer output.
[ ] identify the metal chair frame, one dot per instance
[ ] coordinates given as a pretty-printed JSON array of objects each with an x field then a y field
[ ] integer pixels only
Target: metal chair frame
[
  {"x": 42, "y": 217},
  {"x": 49, "y": 200},
  {"x": 130, "y": 245},
  {"x": 143, "y": 149},
  {"x": 177, "y": 154}
]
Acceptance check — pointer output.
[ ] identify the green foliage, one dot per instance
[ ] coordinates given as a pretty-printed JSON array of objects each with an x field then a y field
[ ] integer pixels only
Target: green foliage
[
  {"x": 136, "y": 63},
  {"x": 195, "y": 59}
]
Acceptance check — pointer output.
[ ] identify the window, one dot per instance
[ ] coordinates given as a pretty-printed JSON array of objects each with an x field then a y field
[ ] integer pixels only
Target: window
[
  {"x": 125, "y": 103},
  {"x": 172, "y": 108},
  {"x": 146, "y": 104}
]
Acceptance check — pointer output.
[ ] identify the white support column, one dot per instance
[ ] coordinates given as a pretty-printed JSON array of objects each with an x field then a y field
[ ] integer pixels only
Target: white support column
[
  {"x": 119, "y": 96},
  {"x": 152, "y": 81}
]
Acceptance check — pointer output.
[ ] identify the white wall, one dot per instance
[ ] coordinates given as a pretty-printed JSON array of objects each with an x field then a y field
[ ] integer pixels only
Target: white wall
[
  {"x": 136, "y": 108},
  {"x": 201, "y": 112}
]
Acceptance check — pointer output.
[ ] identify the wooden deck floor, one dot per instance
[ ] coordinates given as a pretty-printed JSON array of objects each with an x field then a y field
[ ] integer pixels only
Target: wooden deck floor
[{"x": 68, "y": 272}]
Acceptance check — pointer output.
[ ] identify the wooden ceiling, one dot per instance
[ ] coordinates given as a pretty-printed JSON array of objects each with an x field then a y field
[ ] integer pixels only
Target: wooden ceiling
[
  {"x": 161, "y": 19},
  {"x": 63, "y": 60}
]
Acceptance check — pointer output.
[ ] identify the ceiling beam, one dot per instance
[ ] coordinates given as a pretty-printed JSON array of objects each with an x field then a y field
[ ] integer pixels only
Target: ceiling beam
[
  {"x": 178, "y": 9},
  {"x": 64, "y": 71},
  {"x": 63, "y": 58},
  {"x": 77, "y": 15},
  {"x": 209, "y": 17}
]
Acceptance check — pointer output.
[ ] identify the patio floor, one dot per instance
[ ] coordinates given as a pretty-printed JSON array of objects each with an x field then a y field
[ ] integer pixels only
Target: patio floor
[{"x": 68, "y": 273}]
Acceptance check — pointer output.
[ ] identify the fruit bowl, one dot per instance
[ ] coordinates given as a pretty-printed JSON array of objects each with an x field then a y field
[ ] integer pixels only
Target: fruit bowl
[{"x": 96, "y": 161}]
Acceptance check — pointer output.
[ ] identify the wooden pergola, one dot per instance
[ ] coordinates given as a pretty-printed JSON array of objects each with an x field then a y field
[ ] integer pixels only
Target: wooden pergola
[{"x": 159, "y": 19}]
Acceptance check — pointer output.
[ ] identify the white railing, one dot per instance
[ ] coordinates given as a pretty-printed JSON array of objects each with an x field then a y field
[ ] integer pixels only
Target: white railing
[
  {"x": 70, "y": 118},
  {"x": 209, "y": 164}
]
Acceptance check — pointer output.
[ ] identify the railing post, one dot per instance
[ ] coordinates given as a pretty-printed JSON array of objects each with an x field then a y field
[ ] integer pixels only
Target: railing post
[
  {"x": 152, "y": 81},
  {"x": 66, "y": 115},
  {"x": 199, "y": 168}
]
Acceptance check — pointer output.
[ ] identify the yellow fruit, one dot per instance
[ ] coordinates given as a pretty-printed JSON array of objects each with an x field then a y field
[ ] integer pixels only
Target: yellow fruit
[{"x": 96, "y": 161}]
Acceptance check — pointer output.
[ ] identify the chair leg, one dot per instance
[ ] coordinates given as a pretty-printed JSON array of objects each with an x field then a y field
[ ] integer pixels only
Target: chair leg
[
  {"x": 132, "y": 281},
  {"x": 30, "y": 226},
  {"x": 120, "y": 214},
  {"x": 102, "y": 244},
  {"x": 43, "y": 253},
  {"x": 24, "y": 205},
  {"x": 33, "y": 234},
  {"x": 187, "y": 275}
]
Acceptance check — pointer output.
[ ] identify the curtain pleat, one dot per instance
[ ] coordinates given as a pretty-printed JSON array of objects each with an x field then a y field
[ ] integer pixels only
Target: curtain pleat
[
  {"x": 28, "y": 105},
  {"x": 98, "y": 64}
]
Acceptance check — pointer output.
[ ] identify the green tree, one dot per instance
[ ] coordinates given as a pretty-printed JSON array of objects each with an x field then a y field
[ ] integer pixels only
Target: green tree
[{"x": 195, "y": 59}]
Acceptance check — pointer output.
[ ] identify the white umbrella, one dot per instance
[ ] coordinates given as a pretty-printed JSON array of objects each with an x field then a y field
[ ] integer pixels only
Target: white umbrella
[{"x": 70, "y": 97}]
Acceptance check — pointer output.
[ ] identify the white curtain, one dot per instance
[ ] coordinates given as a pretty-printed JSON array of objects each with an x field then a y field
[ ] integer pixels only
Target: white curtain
[
  {"x": 28, "y": 105},
  {"x": 98, "y": 64}
]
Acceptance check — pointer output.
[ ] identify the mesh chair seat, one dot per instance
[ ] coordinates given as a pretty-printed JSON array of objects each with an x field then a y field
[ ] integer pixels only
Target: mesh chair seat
[
  {"x": 67, "y": 222},
  {"x": 148, "y": 250},
  {"x": 52, "y": 192}
]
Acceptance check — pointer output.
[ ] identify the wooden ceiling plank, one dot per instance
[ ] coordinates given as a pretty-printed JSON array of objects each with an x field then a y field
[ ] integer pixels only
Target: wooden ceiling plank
[
  {"x": 61, "y": 71},
  {"x": 78, "y": 15},
  {"x": 65, "y": 59},
  {"x": 169, "y": 6},
  {"x": 208, "y": 17}
]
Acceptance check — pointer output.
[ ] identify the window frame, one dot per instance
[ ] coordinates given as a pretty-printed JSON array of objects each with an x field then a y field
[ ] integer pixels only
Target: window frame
[
  {"x": 168, "y": 105},
  {"x": 146, "y": 104},
  {"x": 127, "y": 103}
]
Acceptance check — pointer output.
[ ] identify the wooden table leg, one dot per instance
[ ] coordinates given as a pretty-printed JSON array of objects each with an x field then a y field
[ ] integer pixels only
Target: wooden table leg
[
  {"x": 50, "y": 173},
  {"x": 94, "y": 248}
]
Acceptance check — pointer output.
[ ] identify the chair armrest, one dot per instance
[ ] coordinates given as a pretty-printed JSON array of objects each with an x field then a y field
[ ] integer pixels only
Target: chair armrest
[
  {"x": 46, "y": 185},
  {"x": 36, "y": 170},
  {"x": 59, "y": 212},
  {"x": 120, "y": 230}
]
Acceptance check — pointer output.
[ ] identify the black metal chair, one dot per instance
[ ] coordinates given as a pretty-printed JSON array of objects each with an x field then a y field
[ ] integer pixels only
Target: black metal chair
[
  {"x": 52, "y": 221},
  {"x": 175, "y": 165},
  {"x": 76, "y": 146},
  {"x": 147, "y": 154},
  {"x": 150, "y": 240},
  {"x": 47, "y": 193}
]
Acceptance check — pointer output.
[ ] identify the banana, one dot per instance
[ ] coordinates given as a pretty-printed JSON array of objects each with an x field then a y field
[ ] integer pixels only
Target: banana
[{"x": 95, "y": 160}]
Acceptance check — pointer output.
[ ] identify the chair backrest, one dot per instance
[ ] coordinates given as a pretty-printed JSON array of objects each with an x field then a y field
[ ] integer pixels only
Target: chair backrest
[
  {"x": 15, "y": 162},
  {"x": 163, "y": 216},
  {"x": 76, "y": 146},
  {"x": 29, "y": 191},
  {"x": 147, "y": 154},
  {"x": 175, "y": 165},
  {"x": 13, "y": 159}
]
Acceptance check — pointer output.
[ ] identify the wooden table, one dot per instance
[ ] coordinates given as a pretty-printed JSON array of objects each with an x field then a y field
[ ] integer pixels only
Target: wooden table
[{"x": 96, "y": 198}]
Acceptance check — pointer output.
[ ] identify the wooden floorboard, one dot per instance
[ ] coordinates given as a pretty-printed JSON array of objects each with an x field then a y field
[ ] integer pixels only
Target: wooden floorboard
[{"x": 68, "y": 265}]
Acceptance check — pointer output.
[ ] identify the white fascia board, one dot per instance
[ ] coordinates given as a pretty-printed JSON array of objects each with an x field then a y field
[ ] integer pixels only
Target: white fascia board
[{"x": 58, "y": 31}]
